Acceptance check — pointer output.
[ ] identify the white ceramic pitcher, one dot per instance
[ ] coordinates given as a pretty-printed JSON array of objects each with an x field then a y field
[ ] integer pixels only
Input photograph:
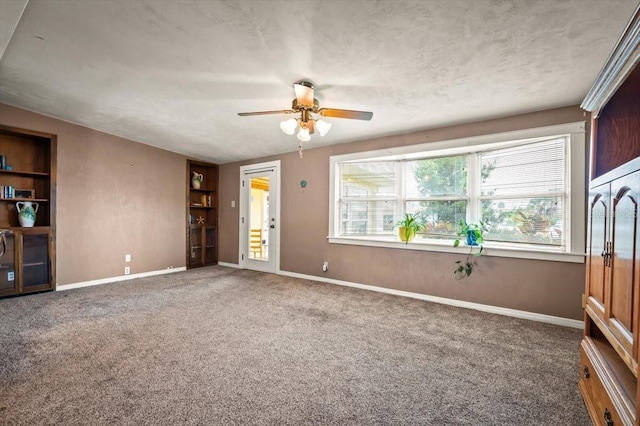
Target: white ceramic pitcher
[
  {"x": 27, "y": 213},
  {"x": 196, "y": 180}
]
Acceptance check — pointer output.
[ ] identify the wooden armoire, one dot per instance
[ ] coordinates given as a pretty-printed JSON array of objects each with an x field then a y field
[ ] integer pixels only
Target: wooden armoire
[{"x": 609, "y": 349}]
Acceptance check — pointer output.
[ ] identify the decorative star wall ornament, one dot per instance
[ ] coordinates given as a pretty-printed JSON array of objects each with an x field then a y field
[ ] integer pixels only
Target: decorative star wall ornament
[{"x": 200, "y": 220}]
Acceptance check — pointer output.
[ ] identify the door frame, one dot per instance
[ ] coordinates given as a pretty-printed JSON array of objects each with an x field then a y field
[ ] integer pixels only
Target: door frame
[{"x": 243, "y": 237}]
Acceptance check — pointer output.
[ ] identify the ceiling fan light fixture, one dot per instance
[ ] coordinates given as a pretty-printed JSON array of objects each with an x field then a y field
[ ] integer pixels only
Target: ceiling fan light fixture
[
  {"x": 306, "y": 107},
  {"x": 303, "y": 134},
  {"x": 289, "y": 126},
  {"x": 323, "y": 127}
]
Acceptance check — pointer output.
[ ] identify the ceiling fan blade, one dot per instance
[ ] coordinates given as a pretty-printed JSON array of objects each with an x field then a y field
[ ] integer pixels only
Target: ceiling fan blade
[
  {"x": 304, "y": 92},
  {"x": 283, "y": 111},
  {"x": 345, "y": 113}
]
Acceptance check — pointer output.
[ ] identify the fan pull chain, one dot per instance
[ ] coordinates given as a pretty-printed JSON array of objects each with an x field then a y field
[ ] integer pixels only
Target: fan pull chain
[{"x": 300, "y": 149}]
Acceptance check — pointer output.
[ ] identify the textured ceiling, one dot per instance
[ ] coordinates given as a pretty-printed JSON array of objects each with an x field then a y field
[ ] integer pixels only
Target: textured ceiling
[{"x": 174, "y": 74}]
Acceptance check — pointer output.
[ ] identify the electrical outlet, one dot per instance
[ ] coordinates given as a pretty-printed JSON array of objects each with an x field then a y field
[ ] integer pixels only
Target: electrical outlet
[
  {"x": 127, "y": 258},
  {"x": 10, "y": 276},
  {"x": 127, "y": 270},
  {"x": 325, "y": 266}
]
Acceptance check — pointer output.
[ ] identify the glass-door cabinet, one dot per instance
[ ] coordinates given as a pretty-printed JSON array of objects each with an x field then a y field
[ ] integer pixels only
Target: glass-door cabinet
[
  {"x": 202, "y": 245},
  {"x": 36, "y": 270},
  {"x": 27, "y": 211},
  {"x": 25, "y": 261}
]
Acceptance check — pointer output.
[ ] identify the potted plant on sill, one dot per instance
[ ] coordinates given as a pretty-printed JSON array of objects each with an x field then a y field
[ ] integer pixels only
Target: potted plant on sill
[
  {"x": 471, "y": 234},
  {"x": 408, "y": 227}
]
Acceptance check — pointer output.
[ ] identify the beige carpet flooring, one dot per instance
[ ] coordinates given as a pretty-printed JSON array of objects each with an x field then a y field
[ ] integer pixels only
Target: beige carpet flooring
[{"x": 219, "y": 346}]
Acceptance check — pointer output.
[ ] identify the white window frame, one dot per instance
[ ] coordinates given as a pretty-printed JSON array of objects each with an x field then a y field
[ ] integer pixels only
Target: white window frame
[{"x": 574, "y": 250}]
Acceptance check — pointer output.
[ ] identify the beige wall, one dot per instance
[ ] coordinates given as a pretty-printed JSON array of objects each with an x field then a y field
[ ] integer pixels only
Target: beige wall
[
  {"x": 552, "y": 288},
  {"x": 115, "y": 197}
]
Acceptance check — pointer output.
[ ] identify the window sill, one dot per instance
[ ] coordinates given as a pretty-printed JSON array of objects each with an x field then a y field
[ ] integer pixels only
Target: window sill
[{"x": 446, "y": 246}]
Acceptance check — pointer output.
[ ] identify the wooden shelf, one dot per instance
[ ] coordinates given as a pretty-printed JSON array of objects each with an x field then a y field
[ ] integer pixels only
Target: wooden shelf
[
  {"x": 24, "y": 173},
  {"x": 33, "y": 229},
  {"x": 26, "y": 265},
  {"x": 37, "y": 200},
  {"x": 208, "y": 191}
]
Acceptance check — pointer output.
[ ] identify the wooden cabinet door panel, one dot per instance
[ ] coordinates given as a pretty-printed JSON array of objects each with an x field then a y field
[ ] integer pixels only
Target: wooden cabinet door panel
[
  {"x": 625, "y": 239},
  {"x": 598, "y": 237}
]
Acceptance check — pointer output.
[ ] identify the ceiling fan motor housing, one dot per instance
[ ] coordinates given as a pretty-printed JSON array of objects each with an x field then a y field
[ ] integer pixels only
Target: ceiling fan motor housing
[{"x": 297, "y": 106}]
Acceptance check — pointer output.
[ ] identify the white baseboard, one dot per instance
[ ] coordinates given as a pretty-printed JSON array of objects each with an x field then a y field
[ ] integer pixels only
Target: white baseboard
[
  {"x": 229, "y": 265},
  {"x": 550, "y": 319},
  {"x": 118, "y": 279}
]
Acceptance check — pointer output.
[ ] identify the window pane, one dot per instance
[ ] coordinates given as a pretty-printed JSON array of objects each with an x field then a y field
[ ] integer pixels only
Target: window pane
[
  {"x": 435, "y": 177},
  {"x": 368, "y": 180},
  {"x": 367, "y": 217},
  {"x": 439, "y": 217},
  {"x": 525, "y": 220},
  {"x": 531, "y": 169}
]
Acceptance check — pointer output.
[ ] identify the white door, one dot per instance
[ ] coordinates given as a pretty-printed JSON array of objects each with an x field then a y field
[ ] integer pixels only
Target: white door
[{"x": 260, "y": 216}]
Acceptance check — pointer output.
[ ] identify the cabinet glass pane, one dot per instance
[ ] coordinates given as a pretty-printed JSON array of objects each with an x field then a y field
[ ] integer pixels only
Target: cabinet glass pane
[
  {"x": 35, "y": 268},
  {"x": 210, "y": 249},
  {"x": 7, "y": 262},
  {"x": 195, "y": 245}
]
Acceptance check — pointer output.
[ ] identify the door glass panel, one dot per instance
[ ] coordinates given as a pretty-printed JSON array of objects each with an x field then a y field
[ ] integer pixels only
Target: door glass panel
[
  {"x": 259, "y": 219},
  {"x": 7, "y": 261},
  {"x": 36, "y": 260}
]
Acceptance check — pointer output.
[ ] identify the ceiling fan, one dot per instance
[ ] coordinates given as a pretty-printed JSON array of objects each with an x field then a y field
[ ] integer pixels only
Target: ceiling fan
[{"x": 306, "y": 105}]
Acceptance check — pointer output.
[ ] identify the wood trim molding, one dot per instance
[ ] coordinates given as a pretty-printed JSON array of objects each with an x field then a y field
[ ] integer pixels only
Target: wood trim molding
[{"x": 623, "y": 59}]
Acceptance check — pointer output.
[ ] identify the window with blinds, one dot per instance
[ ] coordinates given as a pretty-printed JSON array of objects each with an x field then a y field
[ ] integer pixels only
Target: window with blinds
[
  {"x": 368, "y": 198},
  {"x": 435, "y": 191},
  {"x": 523, "y": 193},
  {"x": 518, "y": 189}
]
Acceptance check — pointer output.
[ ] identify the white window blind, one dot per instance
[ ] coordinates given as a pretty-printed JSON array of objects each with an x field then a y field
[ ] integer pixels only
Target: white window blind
[
  {"x": 523, "y": 193},
  {"x": 519, "y": 191},
  {"x": 367, "y": 198}
]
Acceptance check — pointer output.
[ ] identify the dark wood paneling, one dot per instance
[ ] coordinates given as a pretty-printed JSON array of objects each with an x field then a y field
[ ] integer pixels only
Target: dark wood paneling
[{"x": 618, "y": 127}]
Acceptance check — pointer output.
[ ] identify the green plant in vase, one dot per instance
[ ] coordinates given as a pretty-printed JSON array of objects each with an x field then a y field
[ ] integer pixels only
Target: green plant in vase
[
  {"x": 408, "y": 227},
  {"x": 472, "y": 235}
]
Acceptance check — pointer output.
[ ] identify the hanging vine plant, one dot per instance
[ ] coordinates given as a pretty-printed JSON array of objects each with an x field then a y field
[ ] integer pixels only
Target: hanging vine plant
[{"x": 472, "y": 235}]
